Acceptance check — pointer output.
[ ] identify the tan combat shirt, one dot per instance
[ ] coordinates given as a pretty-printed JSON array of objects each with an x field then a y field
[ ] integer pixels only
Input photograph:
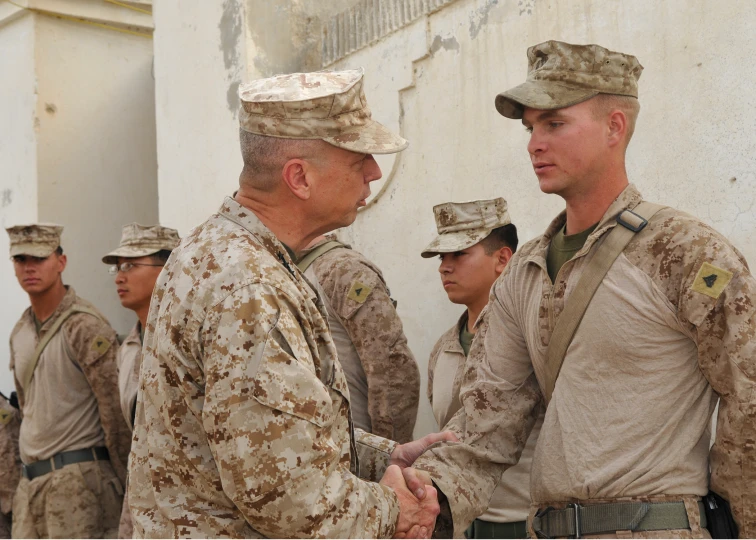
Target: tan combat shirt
[
  {"x": 72, "y": 400},
  {"x": 242, "y": 422},
  {"x": 510, "y": 501},
  {"x": 671, "y": 328},
  {"x": 10, "y": 461},
  {"x": 129, "y": 362},
  {"x": 382, "y": 374}
]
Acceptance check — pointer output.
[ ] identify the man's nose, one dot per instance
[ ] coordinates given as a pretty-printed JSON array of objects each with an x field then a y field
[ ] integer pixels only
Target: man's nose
[
  {"x": 372, "y": 169},
  {"x": 536, "y": 144}
]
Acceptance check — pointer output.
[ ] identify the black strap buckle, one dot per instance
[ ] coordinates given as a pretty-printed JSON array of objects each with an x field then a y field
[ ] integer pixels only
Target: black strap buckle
[
  {"x": 576, "y": 507},
  {"x": 635, "y": 228}
]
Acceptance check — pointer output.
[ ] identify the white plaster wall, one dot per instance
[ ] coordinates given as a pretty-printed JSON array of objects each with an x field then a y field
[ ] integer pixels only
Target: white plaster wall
[
  {"x": 694, "y": 147},
  {"x": 199, "y": 63},
  {"x": 18, "y": 167},
  {"x": 96, "y": 152}
]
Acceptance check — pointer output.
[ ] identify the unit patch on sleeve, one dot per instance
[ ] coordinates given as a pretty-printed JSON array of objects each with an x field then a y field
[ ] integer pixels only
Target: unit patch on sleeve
[
  {"x": 100, "y": 344},
  {"x": 5, "y": 417},
  {"x": 711, "y": 280},
  {"x": 359, "y": 292}
]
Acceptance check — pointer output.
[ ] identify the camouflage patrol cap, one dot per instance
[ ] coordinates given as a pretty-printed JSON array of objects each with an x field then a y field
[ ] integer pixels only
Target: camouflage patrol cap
[
  {"x": 561, "y": 75},
  {"x": 326, "y": 105},
  {"x": 142, "y": 240},
  {"x": 36, "y": 239},
  {"x": 462, "y": 225}
]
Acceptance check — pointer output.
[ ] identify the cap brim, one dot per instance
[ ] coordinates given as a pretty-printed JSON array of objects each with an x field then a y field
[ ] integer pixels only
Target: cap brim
[
  {"x": 455, "y": 241},
  {"x": 542, "y": 95},
  {"x": 129, "y": 252},
  {"x": 32, "y": 250},
  {"x": 372, "y": 138}
]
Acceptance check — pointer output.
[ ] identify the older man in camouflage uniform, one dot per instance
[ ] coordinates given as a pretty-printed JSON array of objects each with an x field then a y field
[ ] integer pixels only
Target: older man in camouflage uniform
[
  {"x": 73, "y": 442},
  {"x": 136, "y": 263},
  {"x": 10, "y": 462},
  {"x": 382, "y": 374},
  {"x": 243, "y": 425},
  {"x": 671, "y": 328}
]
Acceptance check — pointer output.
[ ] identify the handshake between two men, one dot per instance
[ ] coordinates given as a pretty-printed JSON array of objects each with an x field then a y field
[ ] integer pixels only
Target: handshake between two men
[{"x": 418, "y": 499}]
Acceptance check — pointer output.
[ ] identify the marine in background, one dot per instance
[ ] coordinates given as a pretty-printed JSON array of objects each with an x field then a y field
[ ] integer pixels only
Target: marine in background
[
  {"x": 382, "y": 374},
  {"x": 136, "y": 264},
  {"x": 10, "y": 461},
  {"x": 475, "y": 242},
  {"x": 73, "y": 441}
]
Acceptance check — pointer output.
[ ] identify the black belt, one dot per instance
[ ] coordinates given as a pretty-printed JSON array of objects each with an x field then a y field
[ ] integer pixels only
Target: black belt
[
  {"x": 58, "y": 461},
  {"x": 577, "y": 520}
]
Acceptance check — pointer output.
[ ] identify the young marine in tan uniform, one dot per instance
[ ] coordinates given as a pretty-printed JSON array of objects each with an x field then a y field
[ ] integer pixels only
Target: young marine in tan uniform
[
  {"x": 382, "y": 374},
  {"x": 624, "y": 447},
  {"x": 136, "y": 264},
  {"x": 73, "y": 441},
  {"x": 475, "y": 242},
  {"x": 10, "y": 462}
]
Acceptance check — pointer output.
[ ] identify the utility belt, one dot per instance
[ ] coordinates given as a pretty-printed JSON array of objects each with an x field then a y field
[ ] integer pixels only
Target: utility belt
[
  {"x": 58, "y": 461},
  {"x": 577, "y": 520}
]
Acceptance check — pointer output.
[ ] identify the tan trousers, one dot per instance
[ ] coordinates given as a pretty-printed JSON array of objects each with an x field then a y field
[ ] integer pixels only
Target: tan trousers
[
  {"x": 78, "y": 501},
  {"x": 126, "y": 526}
]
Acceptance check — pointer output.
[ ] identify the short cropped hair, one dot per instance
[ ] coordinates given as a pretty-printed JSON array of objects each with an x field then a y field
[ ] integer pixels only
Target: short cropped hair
[
  {"x": 603, "y": 104},
  {"x": 161, "y": 256},
  {"x": 265, "y": 156},
  {"x": 500, "y": 237},
  {"x": 59, "y": 251}
]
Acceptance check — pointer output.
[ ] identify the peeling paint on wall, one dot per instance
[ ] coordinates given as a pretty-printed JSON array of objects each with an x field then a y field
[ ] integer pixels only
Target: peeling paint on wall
[
  {"x": 230, "y": 27},
  {"x": 448, "y": 44},
  {"x": 479, "y": 18},
  {"x": 7, "y": 197}
]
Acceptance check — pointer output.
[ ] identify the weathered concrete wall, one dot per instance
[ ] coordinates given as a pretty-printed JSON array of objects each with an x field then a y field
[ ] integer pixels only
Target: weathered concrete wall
[
  {"x": 433, "y": 69},
  {"x": 97, "y": 164},
  {"x": 18, "y": 163}
]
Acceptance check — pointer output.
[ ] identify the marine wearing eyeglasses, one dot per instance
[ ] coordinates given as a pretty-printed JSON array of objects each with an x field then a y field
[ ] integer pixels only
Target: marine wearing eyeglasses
[
  {"x": 136, "y": 264},
  {"x": 73, "y": 440}
]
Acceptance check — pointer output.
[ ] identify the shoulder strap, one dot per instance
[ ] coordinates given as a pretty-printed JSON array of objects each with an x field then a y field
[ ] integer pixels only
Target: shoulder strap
[
  {"x": 631, "y": 223},
  {"x": 49, "y": 335},
  {"x": 305, "y": 262}
]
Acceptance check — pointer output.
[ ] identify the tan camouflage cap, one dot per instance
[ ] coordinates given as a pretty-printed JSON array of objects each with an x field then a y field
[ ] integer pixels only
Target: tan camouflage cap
[
  {"x": 561, "y": 75},
  {"x": 461, "y": 225},
  {"x": 327, "y": 105},
  {"x": 36, "y": 239},
  {"x": 142, "y": 240}
]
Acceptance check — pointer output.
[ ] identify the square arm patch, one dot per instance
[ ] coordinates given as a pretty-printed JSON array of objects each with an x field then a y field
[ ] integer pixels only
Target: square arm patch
[{"x": 711, "y": 280}]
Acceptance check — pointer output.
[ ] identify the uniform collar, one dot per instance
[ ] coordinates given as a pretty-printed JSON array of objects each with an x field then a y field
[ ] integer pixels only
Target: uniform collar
[
  {"x": 133, "y": 336},
  {"x": 244, "y": 217},
  {"x": 451, "y": 337},
  {"x": 627, "y": 200}
]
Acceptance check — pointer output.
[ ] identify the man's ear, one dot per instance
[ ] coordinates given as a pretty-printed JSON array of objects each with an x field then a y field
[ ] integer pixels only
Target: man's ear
[
  {"x": 296, "y": 176},
  {"x": 503, "y": 255},
  {"x": 617, "y": 124},
  {"x": 62, "y": 262}
]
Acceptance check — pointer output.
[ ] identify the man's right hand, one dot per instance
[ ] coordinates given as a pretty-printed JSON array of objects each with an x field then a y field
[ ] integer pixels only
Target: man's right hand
[{"x": 417, "y": 517}]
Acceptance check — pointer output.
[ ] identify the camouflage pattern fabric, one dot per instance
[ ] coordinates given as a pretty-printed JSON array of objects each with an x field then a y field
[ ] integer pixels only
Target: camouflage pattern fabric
[
  {"x": 375, "y": 330},
  {"x": 561, "y": 75},
  {"x": 142, "y": 240},
  {"x": 126, "y": 523},
  {"x": 671, "y": 329},
  {"x": 10, "y": 463},
  {"x": 37, "y": 239},
  {"x": 462, "y": 225},
  {"x": 82, "y": 500},
  {"x": 92, "y": 345},
  {"x": 243, "y": 425},
  {"x": 326, "y": 105}
]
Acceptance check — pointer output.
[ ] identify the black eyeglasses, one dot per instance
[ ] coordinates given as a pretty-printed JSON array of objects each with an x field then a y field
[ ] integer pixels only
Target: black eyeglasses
[{"x": 125, "y": 267}]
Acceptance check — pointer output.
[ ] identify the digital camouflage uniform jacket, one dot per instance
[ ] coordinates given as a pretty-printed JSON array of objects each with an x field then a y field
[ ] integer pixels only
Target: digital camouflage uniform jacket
[
  {"x": 671, "y": 328},
  {"x": 10, "y": 462},
  {"x": 92, "y": 344},
  {"x": 243, "y": 425},
  {"x": 385, "y": 381}
]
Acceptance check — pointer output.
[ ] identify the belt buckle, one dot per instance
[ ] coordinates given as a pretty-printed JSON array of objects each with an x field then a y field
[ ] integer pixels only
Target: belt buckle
[{"x": 576, "y": 507}]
